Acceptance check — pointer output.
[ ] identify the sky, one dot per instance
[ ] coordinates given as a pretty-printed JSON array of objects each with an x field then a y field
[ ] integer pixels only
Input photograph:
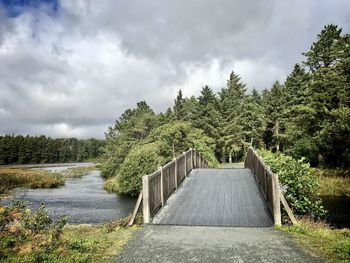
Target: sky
[{"x": 70, "y": 68}]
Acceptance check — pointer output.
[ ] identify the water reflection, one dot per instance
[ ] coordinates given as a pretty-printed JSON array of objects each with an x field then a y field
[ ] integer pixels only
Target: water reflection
[{"x": 83, "y": 200}]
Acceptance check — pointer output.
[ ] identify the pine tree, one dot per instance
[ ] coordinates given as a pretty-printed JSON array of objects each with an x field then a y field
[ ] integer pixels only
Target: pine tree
[{"x": 231, "y": 101}]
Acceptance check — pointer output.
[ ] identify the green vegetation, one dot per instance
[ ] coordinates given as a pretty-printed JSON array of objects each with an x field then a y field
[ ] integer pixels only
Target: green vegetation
[
  {"x": 12, "y": 177},
  {"x": 22, "y": 177},
  {"x": 320, "y": 239},
  {"x": 302, "y": 191},
  {"x": 28, "y": 149},
  {"x": 334, "y": 182},
  {"x": 31, "y": 236},
  {"x": 307, "y": 116}
]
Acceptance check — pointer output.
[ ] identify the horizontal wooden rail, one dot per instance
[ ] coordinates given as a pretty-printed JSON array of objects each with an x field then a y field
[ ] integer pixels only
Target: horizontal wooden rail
[
  {"x": 158, "y": 186},
  {"x": 269, "y": 185}
]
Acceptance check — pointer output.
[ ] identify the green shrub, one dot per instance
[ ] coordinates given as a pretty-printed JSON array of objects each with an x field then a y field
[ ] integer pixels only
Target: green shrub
[
  {"x": 27, "y": 234},
  {"x": 141, "y": 160},
  {"x": 302, "y": 190}
]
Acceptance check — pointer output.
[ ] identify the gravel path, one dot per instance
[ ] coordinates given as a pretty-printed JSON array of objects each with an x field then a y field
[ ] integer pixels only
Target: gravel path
[{"x": 161, "y": 243}]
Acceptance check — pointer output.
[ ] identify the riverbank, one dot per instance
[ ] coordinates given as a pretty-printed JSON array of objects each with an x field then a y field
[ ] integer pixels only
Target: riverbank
[
  {"x": 31, "y": 236},
  {"x": 12, "y": 177}
]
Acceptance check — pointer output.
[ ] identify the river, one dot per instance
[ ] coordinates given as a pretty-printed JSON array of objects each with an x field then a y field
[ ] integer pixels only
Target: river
[{"x": 83, "y": 199}]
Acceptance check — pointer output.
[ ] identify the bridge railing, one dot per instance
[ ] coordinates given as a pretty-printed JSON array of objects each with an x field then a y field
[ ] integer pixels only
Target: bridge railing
[
  {"x": 158, "y": 186},
  {"x": 267, "y": 181}
]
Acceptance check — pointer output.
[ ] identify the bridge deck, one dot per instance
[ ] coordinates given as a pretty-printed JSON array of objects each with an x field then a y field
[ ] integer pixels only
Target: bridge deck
[{"x": 216, "y": 197}]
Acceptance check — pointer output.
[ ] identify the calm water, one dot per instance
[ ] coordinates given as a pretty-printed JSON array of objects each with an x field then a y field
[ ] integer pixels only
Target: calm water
[
  {"x": 83, "y": 199},
  {"x": 338, "y": 210}
]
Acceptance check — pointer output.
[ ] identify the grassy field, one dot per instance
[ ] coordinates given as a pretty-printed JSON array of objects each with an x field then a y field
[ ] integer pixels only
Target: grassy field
[
  {"x": 23, "y": 177},
  {"x": 333, "y": 181},
  {"x": 320, "y": 239}
]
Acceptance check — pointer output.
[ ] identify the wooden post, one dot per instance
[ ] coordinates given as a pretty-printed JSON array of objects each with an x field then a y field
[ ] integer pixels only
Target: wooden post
[
  {"x": 176, "y": 172},
  {"x": 194, "y": 158},
  {"x": 146, "y": 201},
  {"x": 191, "y": 158},
  {"x": 161, "y": 185},
  {"x": 184, "y": 153},
  {"x": 276, "y": 201}
]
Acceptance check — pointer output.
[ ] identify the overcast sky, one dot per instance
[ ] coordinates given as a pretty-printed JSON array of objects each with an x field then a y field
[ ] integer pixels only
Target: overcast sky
[{"x": 70, "y": 68}]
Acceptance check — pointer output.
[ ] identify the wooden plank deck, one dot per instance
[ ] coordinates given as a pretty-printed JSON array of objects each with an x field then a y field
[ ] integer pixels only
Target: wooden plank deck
[{"x": 216, "y": 197}]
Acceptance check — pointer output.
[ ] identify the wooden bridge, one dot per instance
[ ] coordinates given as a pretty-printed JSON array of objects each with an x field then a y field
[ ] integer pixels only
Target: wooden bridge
[
  {"x": 187, "y": 192},
  {"x": 194, "y": 213}
]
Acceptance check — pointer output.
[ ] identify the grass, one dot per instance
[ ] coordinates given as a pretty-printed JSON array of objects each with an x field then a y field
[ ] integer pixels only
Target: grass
[
  {"x": 14, "y": 177},
  {"x": 232, "y": 165},
  {"x": 333, "y": 181},
  {"x": 31, "y": 236},
  {"x": 98, "y": 242},
  {"x": 319, "y": 239},
  {"x": 23, "y": 177}
]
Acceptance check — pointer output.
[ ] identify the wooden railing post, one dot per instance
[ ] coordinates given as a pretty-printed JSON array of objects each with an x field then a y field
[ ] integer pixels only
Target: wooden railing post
[
  {"x": 276, "y": 201},
  {"x": 146, "y": 200},
  {"x": 184, "y": 153},
  {"x": 191, "y": 158},
  {"x": 161, "y": 185},
  {"x": 194, "y": 158},
  {"x": 176, "y": 173}
]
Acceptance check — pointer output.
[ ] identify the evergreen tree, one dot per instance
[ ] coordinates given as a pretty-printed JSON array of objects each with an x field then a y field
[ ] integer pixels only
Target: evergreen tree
[
  {"x": 231, "y": 101},
  {"x": 274, "y": 102}
]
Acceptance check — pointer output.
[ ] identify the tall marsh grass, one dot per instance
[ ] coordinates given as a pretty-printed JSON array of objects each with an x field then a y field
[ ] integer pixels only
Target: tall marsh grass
[
  {"x": 21, "y": 177},
  {"x": 14, "y": 177}
]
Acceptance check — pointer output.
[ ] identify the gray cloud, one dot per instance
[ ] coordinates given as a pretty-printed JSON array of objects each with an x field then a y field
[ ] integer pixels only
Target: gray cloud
[{"x": 72, "y": 74}]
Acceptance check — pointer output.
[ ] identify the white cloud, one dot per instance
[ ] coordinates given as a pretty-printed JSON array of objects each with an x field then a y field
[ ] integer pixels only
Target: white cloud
[{"x": 74, "y": 73}]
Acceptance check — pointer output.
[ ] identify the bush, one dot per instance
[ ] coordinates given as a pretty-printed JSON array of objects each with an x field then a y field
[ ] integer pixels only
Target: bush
[
  {"x": 302, "y": 187},
  {"x": 28, "y": 234},
  {"x": 141, "y": 160}
]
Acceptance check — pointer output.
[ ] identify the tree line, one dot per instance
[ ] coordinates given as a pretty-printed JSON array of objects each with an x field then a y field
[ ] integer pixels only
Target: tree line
[
  {"x": 307, "y": 116},
  {"x": 40, "y": 149}
]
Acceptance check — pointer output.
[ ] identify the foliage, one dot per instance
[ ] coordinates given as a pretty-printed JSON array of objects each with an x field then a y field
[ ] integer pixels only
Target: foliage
[
  {"x": 140, "y": 161},
  {"x": 132, "y": 126},
  {"x": 29, "y": 149},
  {"x": 333, "y": 244},
  {"x": 158, "y": 148},
  {"x": 302, "y": 191},
  {"x": 177, "y": 137},
  {"x": 31, "y": 236},
  {"x": 334, "y": 182}
]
